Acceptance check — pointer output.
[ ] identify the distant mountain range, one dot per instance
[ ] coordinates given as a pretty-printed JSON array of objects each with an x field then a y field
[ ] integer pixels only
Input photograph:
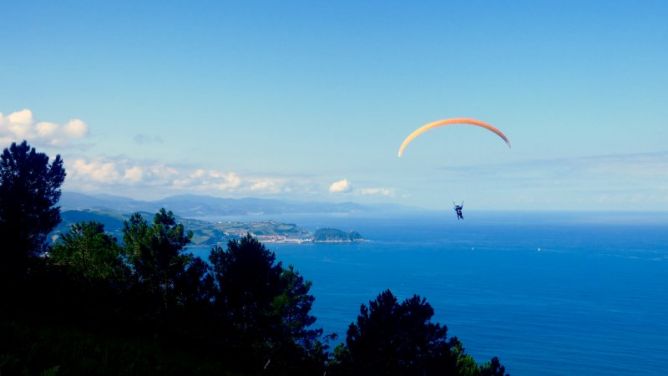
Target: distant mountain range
[
  {"x": 194, "y": 206},
  {"x": 212, "y": 219}
]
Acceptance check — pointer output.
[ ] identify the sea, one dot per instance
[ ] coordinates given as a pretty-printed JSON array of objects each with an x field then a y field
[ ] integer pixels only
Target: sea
[{"x": 548, "y": 293}]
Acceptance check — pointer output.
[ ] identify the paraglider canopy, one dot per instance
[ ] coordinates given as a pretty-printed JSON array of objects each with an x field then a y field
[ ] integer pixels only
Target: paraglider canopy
[{"x": 444, "y": 122}]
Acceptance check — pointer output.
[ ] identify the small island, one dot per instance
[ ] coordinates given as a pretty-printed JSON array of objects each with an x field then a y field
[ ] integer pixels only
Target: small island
[{"x": 332, "y": 235}]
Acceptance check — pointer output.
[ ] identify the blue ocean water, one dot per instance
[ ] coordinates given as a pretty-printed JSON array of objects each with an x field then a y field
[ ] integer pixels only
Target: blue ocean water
[{"x": 550, "y": 294}]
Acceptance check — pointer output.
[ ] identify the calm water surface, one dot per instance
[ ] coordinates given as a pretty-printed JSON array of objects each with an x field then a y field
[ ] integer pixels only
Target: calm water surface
[{"x": 549, "y": 294}]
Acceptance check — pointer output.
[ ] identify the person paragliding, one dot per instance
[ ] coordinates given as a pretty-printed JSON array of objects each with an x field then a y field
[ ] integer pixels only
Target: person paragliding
[
  {"x": 448, "y": 122},
  {"x": 458, "y": 210}
]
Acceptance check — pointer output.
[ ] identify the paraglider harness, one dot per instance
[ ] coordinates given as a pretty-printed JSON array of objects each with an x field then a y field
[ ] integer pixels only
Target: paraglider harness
[{"x": 458, "y": 210}]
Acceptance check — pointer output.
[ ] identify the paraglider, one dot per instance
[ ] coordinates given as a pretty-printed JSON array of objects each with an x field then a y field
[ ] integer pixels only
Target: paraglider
[
  {"x": 445, "y": 122},
  {"x": 458, "y": 210}
]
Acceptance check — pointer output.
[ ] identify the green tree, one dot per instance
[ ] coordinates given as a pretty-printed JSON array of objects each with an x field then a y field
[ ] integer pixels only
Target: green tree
[
  {"x": 90, "y": 252},
  {"x": 392, "y": 338},
  {"x": 156, "y": 253},
  {"x": 293, "y": 306},
  {"x": 493, "y": 368},
  {"x": 195, "y": 286},
  {"x": 29, "y": 192},
  {"x": 249, "y": 279},
  {"x": 267, "y": 305}
]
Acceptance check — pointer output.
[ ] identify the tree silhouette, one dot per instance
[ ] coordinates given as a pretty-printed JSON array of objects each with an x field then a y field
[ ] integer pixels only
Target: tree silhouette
[
  {"x": 156, "y": 253},
  {"x": 493, "y": 368},
  {"x": 29, "y": 192},
  {"x": 88, "y": 251},
  {"x": 248, "y": 279},
  {"x": 392, "y": 338},
  {"x": 293, "y": 305},
  {"x": 268, "y": 306}
]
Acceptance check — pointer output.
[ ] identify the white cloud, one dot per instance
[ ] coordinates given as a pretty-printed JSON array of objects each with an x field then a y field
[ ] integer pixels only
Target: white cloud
[
  {"x": 198, "y": 174},
  {"x": 101, "y": 172},
  {"x": 387, "y": 192},
  {"x": 46, "y": 129},
  {"x": 124, "y": 176},
  {"x": 21, "y": 125},
  {"x": 228, "y": 181},
  {"x": 23, "y": 117},
  {"x": 96, "y": 171},
  {"x": 75, "y": 128},
  {"x": 134, "y": 174},
  {"x": 207, "y": 180},
  {"x": 268, "y": 185},
  {"x": 160, "y": 171},
  {"x": 340, "y": 186},
  {"x": 18, "y": 124}
]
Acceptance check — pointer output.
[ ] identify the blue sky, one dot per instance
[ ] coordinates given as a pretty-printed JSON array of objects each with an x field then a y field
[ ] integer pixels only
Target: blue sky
[{"x": 284, "y": 99}]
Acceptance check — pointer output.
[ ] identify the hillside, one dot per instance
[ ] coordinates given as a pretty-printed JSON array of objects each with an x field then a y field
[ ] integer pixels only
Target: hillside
[{"x": 210, "y": 233}]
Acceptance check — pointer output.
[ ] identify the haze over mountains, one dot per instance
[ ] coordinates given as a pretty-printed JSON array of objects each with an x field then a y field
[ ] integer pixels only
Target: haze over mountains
[
  {"x": 195, "y": 206},
  {"x": 216, "y": 220}
]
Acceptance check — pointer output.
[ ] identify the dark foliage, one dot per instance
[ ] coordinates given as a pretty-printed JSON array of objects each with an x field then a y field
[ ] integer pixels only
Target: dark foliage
[
  {"x": 248, "y": 279},
  {"x": 161, "y": 267},
  {"x": 29, "y": 192},
  {"x": 392, "y": 338},
  {"x": 267, "y": 306},
  {"x": 93, "y": 307},
  {"x": 493, "y": 368},
  {"x": 88, "y": 251}
]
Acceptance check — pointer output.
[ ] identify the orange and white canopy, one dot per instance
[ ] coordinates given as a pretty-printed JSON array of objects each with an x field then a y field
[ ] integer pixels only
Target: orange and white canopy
[{"x": 444, "y": 122}]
